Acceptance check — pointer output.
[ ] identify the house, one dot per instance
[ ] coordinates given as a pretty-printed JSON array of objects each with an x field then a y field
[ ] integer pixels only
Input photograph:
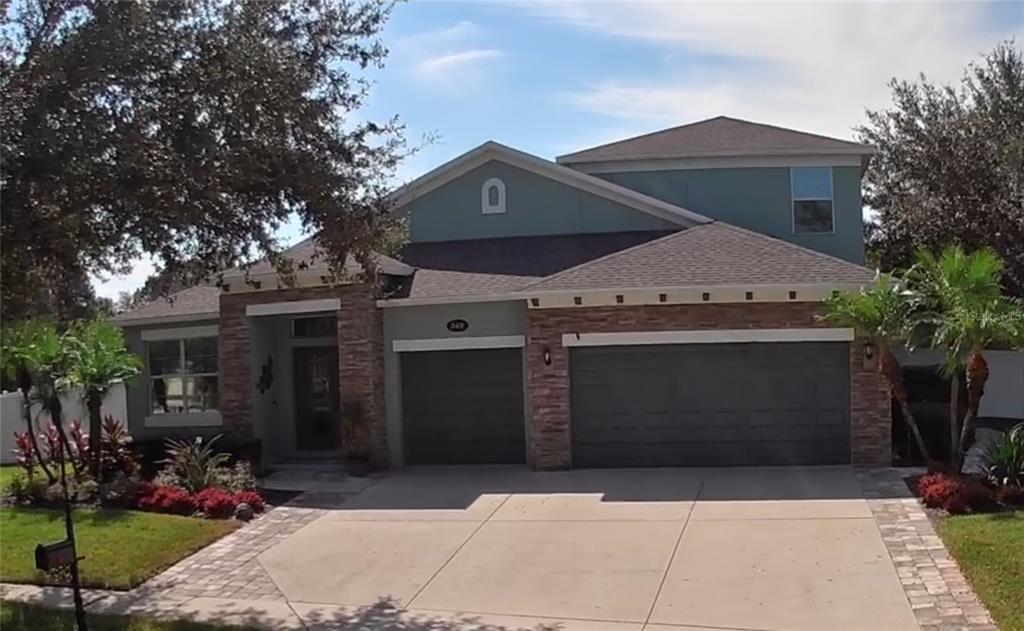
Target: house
[{"x": 647, "y": 302}]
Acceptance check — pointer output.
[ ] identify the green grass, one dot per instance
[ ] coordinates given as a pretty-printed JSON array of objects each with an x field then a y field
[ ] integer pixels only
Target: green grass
[
  {"x": 990, "y": 551},
  {"x": 21, "y": 617},
  {"x": 7, "y": 474},
  {"x": 121, "y": 548}
]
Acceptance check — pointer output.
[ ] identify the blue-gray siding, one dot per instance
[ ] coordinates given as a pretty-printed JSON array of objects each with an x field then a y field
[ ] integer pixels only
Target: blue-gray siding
[
  {"x": 758, "y": 198},
  {"x": 535, "y": 205}
]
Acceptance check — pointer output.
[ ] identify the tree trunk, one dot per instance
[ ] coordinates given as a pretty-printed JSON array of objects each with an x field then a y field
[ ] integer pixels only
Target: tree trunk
[
  {"x": 56, "y": 416},
  {"x": 890, "y": 368},
  {"x": 977, "y": 376},
  {"x": 26, "y": 407},
  {"x": 94, "y": 401},
  {"x": 954, "y": 418}
]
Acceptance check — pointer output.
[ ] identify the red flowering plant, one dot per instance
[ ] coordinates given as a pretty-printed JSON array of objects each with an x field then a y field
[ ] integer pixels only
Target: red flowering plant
[
  {"x": 166, "y": 499},
  {"x": 216, "y": 502},
  {"x": 252, "y": 498}
]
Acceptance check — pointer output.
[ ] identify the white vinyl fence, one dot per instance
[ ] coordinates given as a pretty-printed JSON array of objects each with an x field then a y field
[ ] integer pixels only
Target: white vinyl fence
[
  {"x": 1004, "y": 392},
  {"x": 115, "y": 404}
]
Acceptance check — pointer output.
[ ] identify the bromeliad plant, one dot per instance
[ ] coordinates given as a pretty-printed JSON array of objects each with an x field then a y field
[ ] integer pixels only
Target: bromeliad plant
[
  {"x": 193, "y": 465},
  {"x": 881, "y": 314},
  {"x": 1003, "y": 458}
]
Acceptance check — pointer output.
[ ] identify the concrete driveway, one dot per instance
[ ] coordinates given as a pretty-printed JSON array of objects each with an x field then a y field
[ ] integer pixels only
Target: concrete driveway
[{"x": 655, "y": 549}]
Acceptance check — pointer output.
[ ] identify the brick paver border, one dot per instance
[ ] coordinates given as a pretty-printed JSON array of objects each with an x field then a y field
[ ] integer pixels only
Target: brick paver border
[{"x": 939, "y": 595}]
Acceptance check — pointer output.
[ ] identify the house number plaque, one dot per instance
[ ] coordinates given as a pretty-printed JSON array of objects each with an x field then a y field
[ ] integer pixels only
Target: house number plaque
[{"x": 457, "y": 326}]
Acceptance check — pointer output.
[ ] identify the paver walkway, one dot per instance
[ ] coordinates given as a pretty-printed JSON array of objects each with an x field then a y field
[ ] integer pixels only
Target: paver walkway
[{"x": 660, "y": 550}]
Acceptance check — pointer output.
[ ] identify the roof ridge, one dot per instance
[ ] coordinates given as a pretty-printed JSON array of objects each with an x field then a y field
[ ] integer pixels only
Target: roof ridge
[
  {"x": 795, "y": 131},
  {"x": 616, "y": 254},
  {"x": 639, "y": 136},
  {"x": 816, "y": 253}
]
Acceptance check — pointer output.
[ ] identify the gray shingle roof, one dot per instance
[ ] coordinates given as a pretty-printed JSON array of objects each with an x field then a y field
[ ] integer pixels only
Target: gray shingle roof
[
  {"x": 719, "y": 136},
  {"x": 187, "y": 303},
  {"x": 496, "y": 266},
  {"x": 305, "y": 252},
  {"x": 710, "y": 254}
]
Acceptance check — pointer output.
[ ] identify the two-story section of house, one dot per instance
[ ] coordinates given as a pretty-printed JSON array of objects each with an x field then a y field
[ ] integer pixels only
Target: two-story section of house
[{"x": 650, "y": 302}]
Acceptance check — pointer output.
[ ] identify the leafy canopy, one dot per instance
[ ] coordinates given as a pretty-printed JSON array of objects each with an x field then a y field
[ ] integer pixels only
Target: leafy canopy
[
  {"x": 188, "y": 131},
  {"x": 959, "y": 303},
  {"x": 98, "y": 358},
  {"x": 879, "y": 312},
  {"x": 950, "y": 166}
]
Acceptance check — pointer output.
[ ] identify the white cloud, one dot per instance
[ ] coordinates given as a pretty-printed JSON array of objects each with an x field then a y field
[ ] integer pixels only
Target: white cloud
[
  {"x": 453, "y": 57},
  {"x": 810, "y": 66},
  {"x": 112, "y": 286}
]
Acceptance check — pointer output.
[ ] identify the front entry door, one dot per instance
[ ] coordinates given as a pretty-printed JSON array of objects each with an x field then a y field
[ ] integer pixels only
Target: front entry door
[{"x": 316, "y": 398}]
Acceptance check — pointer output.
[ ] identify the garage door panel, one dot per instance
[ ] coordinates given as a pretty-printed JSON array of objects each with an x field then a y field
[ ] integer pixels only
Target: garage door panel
[
  {"x": 709, "y": 404},
  {"x": 463, "y": 407}
]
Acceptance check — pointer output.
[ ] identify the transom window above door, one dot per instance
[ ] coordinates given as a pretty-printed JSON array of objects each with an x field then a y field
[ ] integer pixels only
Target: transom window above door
[
  {"x": 813, "y": 211},
  {"x": 315, "y": 326}
]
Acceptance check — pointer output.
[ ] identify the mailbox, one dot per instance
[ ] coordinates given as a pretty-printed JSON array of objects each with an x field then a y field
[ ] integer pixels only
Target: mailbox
[{"x": 51, "y": 556}]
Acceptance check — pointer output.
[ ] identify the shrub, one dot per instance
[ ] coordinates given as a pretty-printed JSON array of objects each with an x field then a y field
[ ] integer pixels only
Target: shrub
[
  {"x": 25, "y": 452},
  {"x": 194, "y": 464},
  {"x": 117, "y": 450},
  {"x": 166, "y": 499},
  {"x": 954, "y": 494},
  {"x": 216, "y": 502},
  {"x": 237, "y": 478},
  {"x": 252, "y": 498},
  {"x": 1011, "y": 495},
  {"x": 121, "y": 491},
  {"x": 1003, "y": 458}
]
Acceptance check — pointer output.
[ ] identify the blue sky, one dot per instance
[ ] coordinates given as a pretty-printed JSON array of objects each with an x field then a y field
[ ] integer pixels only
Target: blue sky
[{"x": 556, "y": 76}]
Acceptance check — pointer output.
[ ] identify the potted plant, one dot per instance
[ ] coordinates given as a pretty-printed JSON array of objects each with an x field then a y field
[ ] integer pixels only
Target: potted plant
[{"x": 355, "y": 438}]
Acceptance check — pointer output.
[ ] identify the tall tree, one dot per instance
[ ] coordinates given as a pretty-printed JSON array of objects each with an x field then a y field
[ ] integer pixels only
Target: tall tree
[
  {"x": 188, "y": 130},
  {"x": 950, "y": 166},
  {"x": 962, "y": 312},
  {"x": 881, "y": 314}
]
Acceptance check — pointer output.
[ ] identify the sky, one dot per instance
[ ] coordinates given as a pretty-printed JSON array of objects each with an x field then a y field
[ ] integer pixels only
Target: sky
[{"x": 555, "y": 76}]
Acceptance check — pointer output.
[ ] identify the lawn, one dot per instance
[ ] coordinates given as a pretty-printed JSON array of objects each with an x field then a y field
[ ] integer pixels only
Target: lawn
[
  {"x": 990, "y": 551},
  {"x": 121, "y": 548},
  {"x": 21, "y": 617}
]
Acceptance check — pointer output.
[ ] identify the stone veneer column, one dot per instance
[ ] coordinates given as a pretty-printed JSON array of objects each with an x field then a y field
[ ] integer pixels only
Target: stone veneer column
[
  {"x": 361, "y": 361},
  {"x": 233, "y": 375},
  {"x": 549, "y": 435}
]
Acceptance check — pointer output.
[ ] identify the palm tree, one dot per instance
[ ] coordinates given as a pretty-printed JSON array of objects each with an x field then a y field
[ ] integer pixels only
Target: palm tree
[
  {"x": 98, "y": 360},
  {"x": 880, "y": 314},
  {"x": 963, "y": 312}
]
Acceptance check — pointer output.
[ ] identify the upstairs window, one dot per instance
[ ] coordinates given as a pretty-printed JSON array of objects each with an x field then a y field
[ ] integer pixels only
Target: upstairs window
[
  {"x": 183, "y": 375},
  {"x": 812, "y": 200},
  {"x": 492, "y": 196}
]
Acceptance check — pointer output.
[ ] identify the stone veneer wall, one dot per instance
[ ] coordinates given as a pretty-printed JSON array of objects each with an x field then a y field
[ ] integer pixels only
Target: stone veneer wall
[
  {"x": 360, "y": 359},
  {"x": 549, "y": 435}
]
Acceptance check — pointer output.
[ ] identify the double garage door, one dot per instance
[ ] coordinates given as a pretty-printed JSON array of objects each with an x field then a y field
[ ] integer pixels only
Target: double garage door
[
  {"x": 671, "y": 405},
  {"x": 710, "y": 404}
]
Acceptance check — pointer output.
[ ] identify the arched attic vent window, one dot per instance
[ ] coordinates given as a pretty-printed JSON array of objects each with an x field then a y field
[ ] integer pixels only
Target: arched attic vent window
[{"x": 492, "y": 196}]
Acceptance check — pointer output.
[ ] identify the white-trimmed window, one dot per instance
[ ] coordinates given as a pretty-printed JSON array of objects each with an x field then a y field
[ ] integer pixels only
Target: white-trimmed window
[
  {"x": 492, "y": 196},
  {"x": 182, "y": 375},
  {"x": 813, "y": 208}
]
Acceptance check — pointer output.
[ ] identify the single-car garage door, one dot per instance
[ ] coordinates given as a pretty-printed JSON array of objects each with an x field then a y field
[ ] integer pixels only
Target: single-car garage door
[
  {"x": 463, "y": 407},
  {"x": 711, "y": 404}
]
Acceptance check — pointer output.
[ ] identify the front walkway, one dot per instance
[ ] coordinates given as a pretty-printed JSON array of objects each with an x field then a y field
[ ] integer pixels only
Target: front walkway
[{"x": 620, "y": 550}]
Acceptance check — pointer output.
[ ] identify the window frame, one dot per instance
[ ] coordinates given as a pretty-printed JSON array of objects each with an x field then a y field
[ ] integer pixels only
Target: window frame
[
  {"x": 486, "y": 207},
  {"x": 184, "y": 374},
  {"x": 793, "y": 199}
]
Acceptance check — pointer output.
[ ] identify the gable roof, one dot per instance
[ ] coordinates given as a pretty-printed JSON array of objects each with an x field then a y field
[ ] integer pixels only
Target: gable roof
[
  {"x": 721, "y": 136},
  {"x": 708, "y": 255},
  {"x": 305, "y": 252},
  {"x": 491, "y": 150},
  {"x": 195, "y": 303}
]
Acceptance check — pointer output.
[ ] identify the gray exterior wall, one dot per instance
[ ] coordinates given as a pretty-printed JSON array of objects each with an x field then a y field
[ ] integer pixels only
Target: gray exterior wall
[
  {"x": 137, "y": 393},
  {"x": 758, "y": 198},
  {"x": 535, "y": 205},
  {"x": 428, "y": 322}
]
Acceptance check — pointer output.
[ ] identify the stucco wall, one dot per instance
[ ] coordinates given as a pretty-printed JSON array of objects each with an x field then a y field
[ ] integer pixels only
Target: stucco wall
[
  {"x": 428, "y": 322},
  {"x": 757, "y": 198},
  {"x": 535, "y": 205}
]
